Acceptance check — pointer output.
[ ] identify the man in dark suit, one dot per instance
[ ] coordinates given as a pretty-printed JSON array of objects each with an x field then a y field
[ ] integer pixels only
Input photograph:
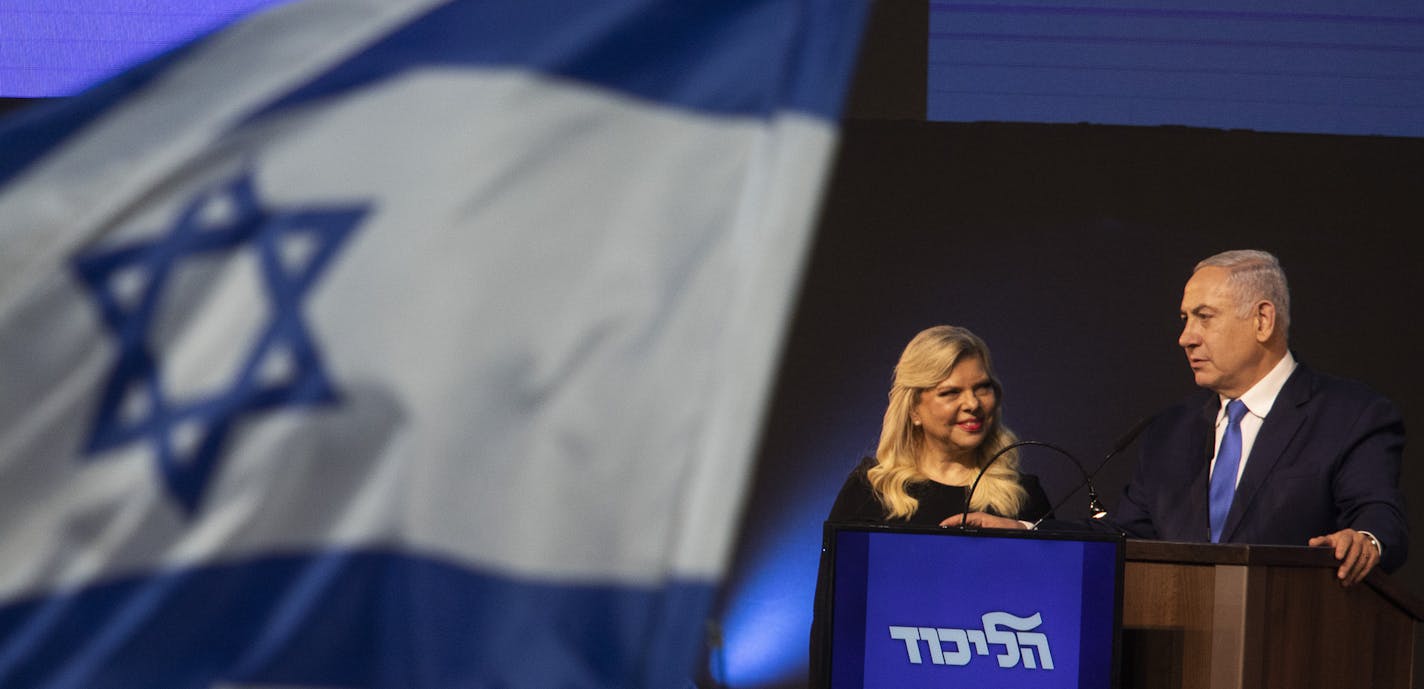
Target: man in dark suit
[{"x": 1270, "y": 452}]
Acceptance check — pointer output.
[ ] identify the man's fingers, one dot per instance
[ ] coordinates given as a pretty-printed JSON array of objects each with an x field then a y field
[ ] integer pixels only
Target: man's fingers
[
  {"x": 1357, "y": 555},
  {"x": 1357, "y": 571},
  {"x": 1363, "y": 558},
  {"x": 1365, "y": 562},
  {"x": 1343, "y": 541},
  {"x": 1348, "y": 561},
  {"x": 1347, "y": 556}
]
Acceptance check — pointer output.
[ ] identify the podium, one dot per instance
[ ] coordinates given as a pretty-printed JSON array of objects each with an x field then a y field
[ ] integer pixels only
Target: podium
[
  {"x": 902, "y": 606},
  {"x": 1199, "y": 616}
]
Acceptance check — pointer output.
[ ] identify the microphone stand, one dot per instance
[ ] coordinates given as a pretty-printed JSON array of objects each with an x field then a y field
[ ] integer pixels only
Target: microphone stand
[{"x": 1094, "y": 504}]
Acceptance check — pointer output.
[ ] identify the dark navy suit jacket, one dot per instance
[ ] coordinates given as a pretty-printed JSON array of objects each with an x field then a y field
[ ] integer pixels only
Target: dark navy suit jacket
[{"x": 1327, "y": 458}]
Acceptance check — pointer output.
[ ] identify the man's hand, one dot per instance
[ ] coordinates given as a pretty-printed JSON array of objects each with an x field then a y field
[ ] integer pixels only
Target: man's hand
[
  {"x": 1355, "y": 551},
  {"x": 984, "y": 520}
]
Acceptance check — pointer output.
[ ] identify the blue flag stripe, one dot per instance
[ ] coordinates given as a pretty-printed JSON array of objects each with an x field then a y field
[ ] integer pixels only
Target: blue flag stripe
[
  {"x": 350, "y": 619},
  {"x": 33, "y": 132},
  {"x": 697, "y": 54},
  {"x": 637, "y": 46}
]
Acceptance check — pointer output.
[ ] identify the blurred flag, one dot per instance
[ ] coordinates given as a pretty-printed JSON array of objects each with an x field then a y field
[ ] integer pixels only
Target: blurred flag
[{"x": 402, "y": 344}]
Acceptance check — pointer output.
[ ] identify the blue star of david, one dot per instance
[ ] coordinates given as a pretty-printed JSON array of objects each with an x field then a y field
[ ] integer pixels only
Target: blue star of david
[{"x": 246, "y": 225}]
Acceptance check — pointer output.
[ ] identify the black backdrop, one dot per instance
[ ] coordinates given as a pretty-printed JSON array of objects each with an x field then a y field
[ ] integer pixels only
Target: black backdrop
[{"x": 1066, "y": 247}]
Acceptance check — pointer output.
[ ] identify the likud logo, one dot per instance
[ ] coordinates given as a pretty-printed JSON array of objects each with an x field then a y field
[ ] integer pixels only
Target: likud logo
[{"x": 959, "y": 646}]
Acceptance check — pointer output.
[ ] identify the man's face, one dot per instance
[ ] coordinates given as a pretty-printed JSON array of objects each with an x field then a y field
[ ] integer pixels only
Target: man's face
[{"x": 1222, "y": 347}]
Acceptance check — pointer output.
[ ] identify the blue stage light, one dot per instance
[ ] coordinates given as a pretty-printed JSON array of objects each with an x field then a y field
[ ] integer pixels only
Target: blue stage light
[{"x": 58, "y": 49}]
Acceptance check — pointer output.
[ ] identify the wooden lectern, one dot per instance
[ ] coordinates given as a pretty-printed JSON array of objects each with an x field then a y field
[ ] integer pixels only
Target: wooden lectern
[{"x": 1198, "y": 616}]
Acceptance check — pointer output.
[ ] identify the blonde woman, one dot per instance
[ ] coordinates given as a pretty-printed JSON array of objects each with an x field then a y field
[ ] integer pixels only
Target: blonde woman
[{"x": 942, "y": 425}]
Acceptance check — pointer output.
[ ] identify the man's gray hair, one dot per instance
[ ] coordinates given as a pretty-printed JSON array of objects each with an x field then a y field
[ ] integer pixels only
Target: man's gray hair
[{"x": 1254, "y": 276}]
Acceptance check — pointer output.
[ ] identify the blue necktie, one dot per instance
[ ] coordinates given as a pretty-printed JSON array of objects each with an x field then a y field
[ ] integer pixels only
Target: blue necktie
[{"x": 1223, "y": 476}]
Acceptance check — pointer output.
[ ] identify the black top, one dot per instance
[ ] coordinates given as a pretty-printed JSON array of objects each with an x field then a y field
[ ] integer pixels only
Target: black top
[{"x": 857, "y": 503}]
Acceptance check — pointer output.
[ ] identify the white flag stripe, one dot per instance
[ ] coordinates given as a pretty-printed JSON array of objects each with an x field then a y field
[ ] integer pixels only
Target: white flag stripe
[
  {"x": 592, "y": 249},
  {"x": 93, "y": 180}
]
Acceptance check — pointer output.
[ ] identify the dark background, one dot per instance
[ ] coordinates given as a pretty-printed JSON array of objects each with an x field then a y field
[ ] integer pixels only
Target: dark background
[{"x": 1065, "y": 247}]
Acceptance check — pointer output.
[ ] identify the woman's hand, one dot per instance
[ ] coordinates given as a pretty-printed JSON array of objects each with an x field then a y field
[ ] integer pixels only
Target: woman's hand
[{"x": 984, "y": 520}]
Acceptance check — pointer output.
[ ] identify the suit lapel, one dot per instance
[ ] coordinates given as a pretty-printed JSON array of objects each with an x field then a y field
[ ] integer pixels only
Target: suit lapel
[
  {"x": 1285, "y": 419},
  {"x": 1199, "y": 520}
]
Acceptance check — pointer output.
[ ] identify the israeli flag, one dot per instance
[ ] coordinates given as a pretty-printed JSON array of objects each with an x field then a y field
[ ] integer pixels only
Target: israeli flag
[{"x": 400, "y": 343}]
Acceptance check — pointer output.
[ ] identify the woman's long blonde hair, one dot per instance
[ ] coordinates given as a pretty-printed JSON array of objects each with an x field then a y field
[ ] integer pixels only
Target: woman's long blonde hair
[{"x": 926, "y": 362}]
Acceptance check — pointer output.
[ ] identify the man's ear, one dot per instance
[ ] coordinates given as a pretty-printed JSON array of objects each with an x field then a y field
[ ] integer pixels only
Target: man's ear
[{"x": 1265, "y": 319}]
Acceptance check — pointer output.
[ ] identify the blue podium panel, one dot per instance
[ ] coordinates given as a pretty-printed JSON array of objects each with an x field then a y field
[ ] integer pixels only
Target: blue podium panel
[{"x": 949, "y": 608}]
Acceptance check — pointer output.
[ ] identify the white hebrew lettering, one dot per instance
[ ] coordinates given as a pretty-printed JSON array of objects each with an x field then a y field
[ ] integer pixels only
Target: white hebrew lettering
[
  {"x": 1031, "y": 640},
  {"x": 911, "y": 637},
  {"x": 1010, "y": 641},
  {"x": 932, "y": 640},
  {"x": 976, "y": 637},
  {"x": 960, "y": 655},
  {"x": 948, "y": 646}
]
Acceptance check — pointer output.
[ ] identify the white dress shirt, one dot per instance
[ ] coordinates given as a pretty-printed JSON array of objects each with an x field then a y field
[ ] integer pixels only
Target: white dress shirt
[{"x": 1258, "y": 400}]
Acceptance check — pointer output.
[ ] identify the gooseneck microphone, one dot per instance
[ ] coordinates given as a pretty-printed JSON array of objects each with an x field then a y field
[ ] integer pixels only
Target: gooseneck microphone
[
  {"x": 1127, "y": 439},
  {"x": 1121, "y": 444},
  {"x": 1094, "y": 504}
]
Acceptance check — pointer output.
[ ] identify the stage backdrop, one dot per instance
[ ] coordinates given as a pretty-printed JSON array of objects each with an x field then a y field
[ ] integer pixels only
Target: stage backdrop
[{"x": 1066, "y": 248}]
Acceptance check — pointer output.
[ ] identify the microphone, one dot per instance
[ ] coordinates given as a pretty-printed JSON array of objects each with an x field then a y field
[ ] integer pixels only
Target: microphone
[
  {"x": 1127, "y": 439},
  {"x": 1093, "y": 503}
]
